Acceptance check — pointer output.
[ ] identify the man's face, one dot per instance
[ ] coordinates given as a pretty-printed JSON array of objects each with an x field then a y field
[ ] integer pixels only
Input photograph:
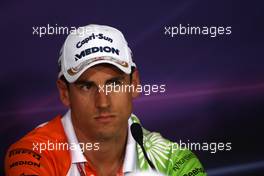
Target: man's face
[{"x": 98, "y": 114}]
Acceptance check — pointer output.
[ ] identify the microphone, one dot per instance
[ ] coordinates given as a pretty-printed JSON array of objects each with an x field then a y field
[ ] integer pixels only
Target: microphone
[{"x": 137, "y": 134}]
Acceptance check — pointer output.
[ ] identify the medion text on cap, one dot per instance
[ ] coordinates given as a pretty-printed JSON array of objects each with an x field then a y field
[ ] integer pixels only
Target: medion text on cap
[{"x": 88, "y": 51}]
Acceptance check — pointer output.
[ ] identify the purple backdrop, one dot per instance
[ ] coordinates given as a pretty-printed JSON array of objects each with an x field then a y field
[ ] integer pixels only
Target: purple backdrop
[{"x": 214, "y": 86}]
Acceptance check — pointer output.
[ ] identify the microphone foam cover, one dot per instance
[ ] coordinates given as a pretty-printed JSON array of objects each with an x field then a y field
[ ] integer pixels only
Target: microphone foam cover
[{"x": 137, "y": 133}]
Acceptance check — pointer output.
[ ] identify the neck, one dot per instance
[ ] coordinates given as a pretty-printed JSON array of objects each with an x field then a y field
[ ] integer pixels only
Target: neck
[{"x": 109, "y": 158}]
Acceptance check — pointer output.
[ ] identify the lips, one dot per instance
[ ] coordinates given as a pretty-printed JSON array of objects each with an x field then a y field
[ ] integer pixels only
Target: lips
[{"x": 104, "y": 118}]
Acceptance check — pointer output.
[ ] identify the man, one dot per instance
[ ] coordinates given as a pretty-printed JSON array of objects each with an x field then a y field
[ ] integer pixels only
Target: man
[{"x": 99, "y": 135}]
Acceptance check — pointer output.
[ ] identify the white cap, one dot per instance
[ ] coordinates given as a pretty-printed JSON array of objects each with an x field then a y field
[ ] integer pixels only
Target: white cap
[{"x": 91, "y": 45}]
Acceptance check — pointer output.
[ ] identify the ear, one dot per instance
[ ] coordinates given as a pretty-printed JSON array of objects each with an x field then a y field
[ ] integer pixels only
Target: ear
[
  {"x": 135, "y": 82},
  {"x": 64, "y": 92}
]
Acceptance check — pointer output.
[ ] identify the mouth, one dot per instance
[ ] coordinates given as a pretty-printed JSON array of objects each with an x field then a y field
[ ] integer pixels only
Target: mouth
[{"x": 107, "y": 118}]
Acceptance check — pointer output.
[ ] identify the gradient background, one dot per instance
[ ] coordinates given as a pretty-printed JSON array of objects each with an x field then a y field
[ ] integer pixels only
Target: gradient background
[{"x": 215, "y": 86}]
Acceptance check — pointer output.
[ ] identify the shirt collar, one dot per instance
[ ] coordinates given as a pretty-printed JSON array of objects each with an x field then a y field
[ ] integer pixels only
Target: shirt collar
[
  {"x": 130, "y": 160},
  {"x": 76, "y": 154}
]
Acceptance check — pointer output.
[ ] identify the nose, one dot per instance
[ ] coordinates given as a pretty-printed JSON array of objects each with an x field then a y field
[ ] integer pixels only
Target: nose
[{"x": 102, "y": 100}]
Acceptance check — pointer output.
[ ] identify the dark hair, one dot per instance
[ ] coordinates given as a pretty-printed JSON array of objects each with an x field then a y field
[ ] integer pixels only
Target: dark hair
[
  {"x": 65, "y": 80},
  {"x": 132, "y": 71}
]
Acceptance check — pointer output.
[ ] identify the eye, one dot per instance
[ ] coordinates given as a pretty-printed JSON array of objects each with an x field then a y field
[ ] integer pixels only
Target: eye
[{"x": 86, "y": 86}]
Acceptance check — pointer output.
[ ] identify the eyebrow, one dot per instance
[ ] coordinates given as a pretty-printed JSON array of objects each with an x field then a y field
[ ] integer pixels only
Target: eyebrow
[
  {"x": 84, "y": 82},
  {"x": 87, "y": 82},
  {"x": 118, "y": 78}
]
